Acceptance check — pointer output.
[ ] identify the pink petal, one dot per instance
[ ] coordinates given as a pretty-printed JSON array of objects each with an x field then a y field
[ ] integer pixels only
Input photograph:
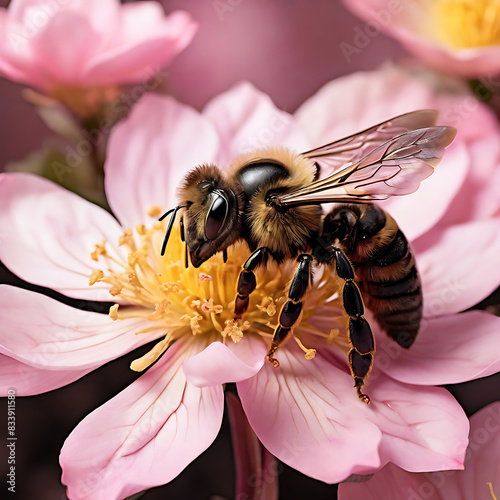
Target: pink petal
[
  {"x": 28, "y": 380},
  {"x": 478, "y": 196},
  {"x": 105, "y": 49},
  {"x": 393, "y": 483},
  {"x": 481, "y": 467},
  {"x": 483, "y": 454},
  {"x": 246, "y": 119},
  {"x": 448, "y": 350},
  {"x": 138, "y": 18},
  {"x": 64, "y": 62},
  {"x": 9, "y": 66},
  {"x": 459, "y": 265},
  {"x": 100, "y": 12},
  {"x": 140, "y": 57},
  {"x": 423, "y": 428},
  {"x": 145, "y": 436},
  {"x": 49, "y": 335},
  {"x": 219, "y": 364},
  {"x": 307, "y": 414},
  {"x": 359, "y": 100},
  {"x": 48, "y": 234},
  {"x": 152, "y": 150}
]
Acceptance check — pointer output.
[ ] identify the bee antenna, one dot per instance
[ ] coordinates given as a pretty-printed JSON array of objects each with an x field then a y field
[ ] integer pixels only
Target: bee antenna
[
  {"x": 170, "y": 225},
  {"x": 166, "y": 213}
]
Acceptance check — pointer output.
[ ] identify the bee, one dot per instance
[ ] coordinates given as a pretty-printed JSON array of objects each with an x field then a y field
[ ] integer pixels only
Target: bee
[{"x": 273, "y": 200}]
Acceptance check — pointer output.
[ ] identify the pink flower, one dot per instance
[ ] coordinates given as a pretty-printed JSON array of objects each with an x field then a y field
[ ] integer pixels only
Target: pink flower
[
  {"x": 55, "y": 44},
  {"x": 482, "y": 471},
  {"x": 460, "y": 37},
  {"x": 306, "y": 412}
]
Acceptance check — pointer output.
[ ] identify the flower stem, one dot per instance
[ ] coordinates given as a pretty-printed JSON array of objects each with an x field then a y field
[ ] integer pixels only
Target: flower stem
[{"x": 256, "y": 468}]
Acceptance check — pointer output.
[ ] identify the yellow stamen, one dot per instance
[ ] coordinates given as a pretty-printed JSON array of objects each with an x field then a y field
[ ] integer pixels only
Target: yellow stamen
[
  {"x": 149, "y": 358},
  {"x": 310, "y": 353},
  {"x": 95, "y": 276},
  {"x": 268, "y": 306},
  {"x": 208, "y": 306},
  {"x": 177, "y": 302},
  {"x": 205, "y": 277},
  {"x": 194, "y": 322},
  {"x": 160, "y": 310},
  {"x": 126, "y": 238},
  {"x": 170, "y": 287},
  {"x": 334, "y": 333},
  {"x": 154, "y": 211},
  {"x": 115, "y": 290},
  {"x": 113, "y": 312},
  {"x": 464, "y": 24},
  {"x": 132, "y": 258},
  {"x": 234, "y": 329},
  {"x": 98, "y": 251},
  {"x": 134, "y": 280}
]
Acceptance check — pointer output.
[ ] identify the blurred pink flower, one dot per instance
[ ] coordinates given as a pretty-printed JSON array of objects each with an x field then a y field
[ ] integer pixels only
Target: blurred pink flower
[
  {"x": 460, "y": 37},
  {"x": 77, "y": 44},
  {"x": 306, "y": 412},
  {"x": 482, "y": 466}
]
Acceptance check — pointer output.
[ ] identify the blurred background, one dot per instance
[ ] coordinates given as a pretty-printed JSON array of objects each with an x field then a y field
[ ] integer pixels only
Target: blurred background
[{"x": 288, "y": 49}]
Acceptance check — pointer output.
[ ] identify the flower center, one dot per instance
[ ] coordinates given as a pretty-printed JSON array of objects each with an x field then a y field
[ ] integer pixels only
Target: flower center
[
  {"x": 87, "y": 103},
  {"x": 177, "y": 300},
  {"x": 463, "y": 24}
]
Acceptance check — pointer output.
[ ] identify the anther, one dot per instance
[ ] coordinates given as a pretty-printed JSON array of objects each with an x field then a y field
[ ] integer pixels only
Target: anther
[
  {"x": 126, "y": 237},
  {"x": 132, "y": 258},
  {"x": 204, "y": 277},
  {"x": 208, "y": 306},
  {"x": 113, "y": 312},
  {"x": 169, "y": 287},
  {"x": 334, "y": 333},
  {"x": 134, "y": 280},
  {"x": 95, "y": 276},
  {"x": 310, "y": 353},
  {"x": 98, "y": 251},
  {"x": 154, "y": 211},
  {"x": 115, "y": 290},
  {"x": 194, "y": 322},
  {"x": 268, "y": 306}
]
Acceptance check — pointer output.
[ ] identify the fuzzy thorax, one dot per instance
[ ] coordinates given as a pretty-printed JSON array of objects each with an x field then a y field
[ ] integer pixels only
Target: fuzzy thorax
[{"x": 285, "y": 232}]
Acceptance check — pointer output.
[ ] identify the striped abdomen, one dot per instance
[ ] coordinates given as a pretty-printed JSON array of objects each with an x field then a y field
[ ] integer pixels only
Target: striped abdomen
[{"x": 385, "y": 267}]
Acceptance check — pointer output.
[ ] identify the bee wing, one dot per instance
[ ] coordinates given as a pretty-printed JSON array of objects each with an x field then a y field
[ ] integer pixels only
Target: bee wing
[
  {"x": 394, "y": 168},
  {"x": 333, "y": 156}
]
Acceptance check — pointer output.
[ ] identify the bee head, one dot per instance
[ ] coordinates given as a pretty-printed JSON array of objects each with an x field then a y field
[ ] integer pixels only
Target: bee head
[{"x": 211, "y": 220}]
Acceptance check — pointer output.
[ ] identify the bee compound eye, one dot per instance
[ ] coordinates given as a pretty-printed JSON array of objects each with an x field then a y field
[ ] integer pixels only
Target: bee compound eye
[{"x": 216, "y": 216}]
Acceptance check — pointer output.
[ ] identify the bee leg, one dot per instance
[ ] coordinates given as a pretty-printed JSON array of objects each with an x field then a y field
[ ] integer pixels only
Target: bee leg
[
  {"x": 360, "y": 333},
  {"x": 246, "y": 281},
  {"x": 291, "y": 311}
]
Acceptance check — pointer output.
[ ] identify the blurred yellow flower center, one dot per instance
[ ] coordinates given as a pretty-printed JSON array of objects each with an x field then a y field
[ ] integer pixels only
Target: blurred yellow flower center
[
  {"x": 180, "y": 301},
  {"x": 463, "y": 24}
]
